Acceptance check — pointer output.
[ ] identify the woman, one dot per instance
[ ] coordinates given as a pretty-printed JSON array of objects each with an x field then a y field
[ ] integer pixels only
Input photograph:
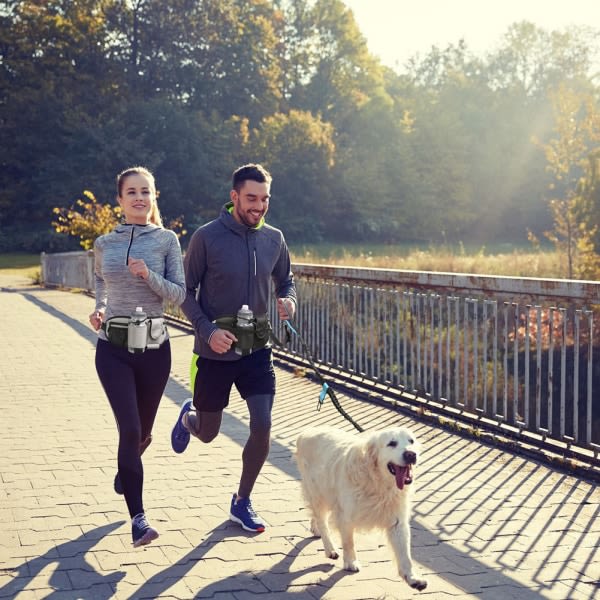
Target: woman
[{"x": 137, "y": 265}]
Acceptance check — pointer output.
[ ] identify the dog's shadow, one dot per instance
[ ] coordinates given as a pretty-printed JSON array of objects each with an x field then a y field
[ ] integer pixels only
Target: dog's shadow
[{"x": 276, "y": 579}]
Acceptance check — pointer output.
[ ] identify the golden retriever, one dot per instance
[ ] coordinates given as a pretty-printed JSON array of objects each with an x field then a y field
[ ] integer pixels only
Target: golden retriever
[{"x": 362, "y": 482}]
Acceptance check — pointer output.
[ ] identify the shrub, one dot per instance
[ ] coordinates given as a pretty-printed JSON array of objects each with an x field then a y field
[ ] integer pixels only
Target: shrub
[{"x": 87, "y": 220}]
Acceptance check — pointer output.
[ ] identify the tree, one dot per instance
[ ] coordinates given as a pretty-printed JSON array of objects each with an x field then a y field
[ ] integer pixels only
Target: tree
[
  {"x": 343, "y": 74},
  {"x": 534, "y": 60},
  {"x": 298, "y": 150},
  {"x": 572, "y": 159},
  {"x": 54, "y": 80}
]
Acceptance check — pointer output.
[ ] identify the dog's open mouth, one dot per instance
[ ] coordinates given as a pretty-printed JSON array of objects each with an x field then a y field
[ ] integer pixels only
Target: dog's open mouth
[{"x": 403, "y": 475}]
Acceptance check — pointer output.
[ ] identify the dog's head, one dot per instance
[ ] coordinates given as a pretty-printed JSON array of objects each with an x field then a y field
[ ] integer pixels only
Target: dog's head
[{"x": 394, "y": 451}]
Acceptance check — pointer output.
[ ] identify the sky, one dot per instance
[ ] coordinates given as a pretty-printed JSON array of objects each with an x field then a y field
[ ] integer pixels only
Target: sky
[{"x": 397, "y": 29}]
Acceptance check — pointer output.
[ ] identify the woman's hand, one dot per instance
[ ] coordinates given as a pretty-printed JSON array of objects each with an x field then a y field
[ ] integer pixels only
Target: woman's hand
[
  {"x": 96, "y": 319},
  {"x": 137, "y": 267}
]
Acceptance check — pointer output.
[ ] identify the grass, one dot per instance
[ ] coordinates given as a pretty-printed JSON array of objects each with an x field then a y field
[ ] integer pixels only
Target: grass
[
  {"x": 16, "y": 263},
  {"x": 512, "y": 262},
  {"x": 517, "y": 262}
]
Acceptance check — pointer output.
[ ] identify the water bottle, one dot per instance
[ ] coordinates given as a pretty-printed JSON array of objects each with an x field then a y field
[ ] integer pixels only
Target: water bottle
[
  {"x": 245, "y": 331},
  {"x": 137, "y": 331}
]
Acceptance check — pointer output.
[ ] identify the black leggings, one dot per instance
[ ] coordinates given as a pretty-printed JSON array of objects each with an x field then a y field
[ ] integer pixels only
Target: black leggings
[{"x": 134, "y": 385}]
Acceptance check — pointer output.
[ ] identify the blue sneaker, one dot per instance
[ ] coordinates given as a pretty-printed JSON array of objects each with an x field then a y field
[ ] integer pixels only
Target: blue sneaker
[
  {"x": 180, "y": 436},
  {"x": 141, "y": 532},
  {"x": 242, "y": 512}
]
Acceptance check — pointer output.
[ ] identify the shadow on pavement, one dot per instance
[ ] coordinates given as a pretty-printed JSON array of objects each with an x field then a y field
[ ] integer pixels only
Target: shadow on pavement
[
  {"x": 71, "y": 570},
  {"x": 499, "y": 500},
  {"x": 279, "y": 578}
]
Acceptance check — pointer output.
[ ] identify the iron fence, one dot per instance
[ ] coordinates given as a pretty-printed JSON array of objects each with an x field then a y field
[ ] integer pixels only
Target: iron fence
[{"x": 516, "y": 351}]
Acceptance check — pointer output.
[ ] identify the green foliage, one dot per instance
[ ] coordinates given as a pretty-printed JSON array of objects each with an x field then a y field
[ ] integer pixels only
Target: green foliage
[
  {"x": 193, "y": 88},
  {"x": 87, "y": 220},
  {"x": 18, "y": 260},
  {"x": 573, "y": 160},
  {"x": 300, "y": 152}
]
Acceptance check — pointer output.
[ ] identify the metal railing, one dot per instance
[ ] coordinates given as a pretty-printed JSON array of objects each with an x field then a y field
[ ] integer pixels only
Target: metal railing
[{"x": 517, "y": 354}]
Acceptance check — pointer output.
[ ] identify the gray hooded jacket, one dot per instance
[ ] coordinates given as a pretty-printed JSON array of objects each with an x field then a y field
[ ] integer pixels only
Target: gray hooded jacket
[
  {"x": 228, "y": 264},
  {"x": 118, "y": 292}
]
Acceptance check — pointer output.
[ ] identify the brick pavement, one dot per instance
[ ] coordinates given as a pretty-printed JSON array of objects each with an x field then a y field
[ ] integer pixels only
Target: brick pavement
[{"x": 487, "y": 524}]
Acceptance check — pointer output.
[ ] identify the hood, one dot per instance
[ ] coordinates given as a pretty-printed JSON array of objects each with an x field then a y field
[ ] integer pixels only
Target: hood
[{"x": 139, "y": 229}]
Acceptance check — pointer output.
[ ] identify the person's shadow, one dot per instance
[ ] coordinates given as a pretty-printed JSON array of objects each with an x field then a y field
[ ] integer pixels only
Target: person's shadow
[
  {"x": 70, "y": 559},
  {"x": 278, "y": 580}
]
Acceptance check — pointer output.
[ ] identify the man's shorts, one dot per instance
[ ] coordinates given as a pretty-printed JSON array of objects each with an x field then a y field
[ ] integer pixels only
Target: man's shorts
[{"x": 211, "y": 380}]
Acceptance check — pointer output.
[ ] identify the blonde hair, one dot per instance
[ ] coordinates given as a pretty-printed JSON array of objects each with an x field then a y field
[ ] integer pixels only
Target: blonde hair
[{"x": 154, "y": 216}]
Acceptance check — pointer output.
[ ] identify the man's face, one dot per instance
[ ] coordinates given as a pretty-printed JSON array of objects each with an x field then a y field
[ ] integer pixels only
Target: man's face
[{"x": 251, "y": 204}]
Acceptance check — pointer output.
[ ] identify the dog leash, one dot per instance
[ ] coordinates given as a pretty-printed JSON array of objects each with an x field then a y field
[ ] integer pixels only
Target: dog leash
[{"x": 326, "y": 389}]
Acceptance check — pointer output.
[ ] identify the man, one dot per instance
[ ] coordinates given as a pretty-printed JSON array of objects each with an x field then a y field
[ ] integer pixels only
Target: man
[{"x": 230, "y": 262}]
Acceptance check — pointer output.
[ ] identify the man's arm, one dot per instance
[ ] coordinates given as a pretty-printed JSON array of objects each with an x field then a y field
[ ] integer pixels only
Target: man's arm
[{"x": 285, "y": 288}]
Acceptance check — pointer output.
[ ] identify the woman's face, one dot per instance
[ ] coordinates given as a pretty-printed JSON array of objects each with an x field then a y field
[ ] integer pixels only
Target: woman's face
[{"x": 136, "y": 199}]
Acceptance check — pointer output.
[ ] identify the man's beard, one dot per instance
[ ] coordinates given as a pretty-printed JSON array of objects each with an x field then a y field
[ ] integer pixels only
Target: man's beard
[{"x": 245, "y": 221}]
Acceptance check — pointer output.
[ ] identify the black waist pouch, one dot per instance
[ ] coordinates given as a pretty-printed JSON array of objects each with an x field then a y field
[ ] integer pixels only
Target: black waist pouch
[
  {"x": 116, "y": 331},
  {"x": 260, "y": 336}
]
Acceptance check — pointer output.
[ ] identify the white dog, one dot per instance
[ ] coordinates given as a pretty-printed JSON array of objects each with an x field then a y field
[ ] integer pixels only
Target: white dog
[{"x": 360, "y": 480}]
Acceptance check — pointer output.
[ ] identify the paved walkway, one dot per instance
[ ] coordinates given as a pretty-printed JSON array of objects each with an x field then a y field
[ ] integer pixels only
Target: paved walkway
[{"x": 486, "y": 524}]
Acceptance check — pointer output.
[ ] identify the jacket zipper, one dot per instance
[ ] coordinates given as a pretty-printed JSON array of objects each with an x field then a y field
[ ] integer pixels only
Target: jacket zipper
[
  {"x": 251, "y": 259},
  {"x": 129, "y": 247}
]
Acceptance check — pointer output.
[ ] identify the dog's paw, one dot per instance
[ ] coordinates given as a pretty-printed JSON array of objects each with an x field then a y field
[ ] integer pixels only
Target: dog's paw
[
  {"x": 417, "y": 584},
  {"x": 352, "y": 565},
  {"x": 332, "y": 554}
]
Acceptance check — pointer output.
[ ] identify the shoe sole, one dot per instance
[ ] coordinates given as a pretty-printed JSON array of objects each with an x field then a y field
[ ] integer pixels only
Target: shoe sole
[
  {"x": 149, "y": 536},
  {"x": 179, "y": 422},
  {"x": 245, "y": 527}
]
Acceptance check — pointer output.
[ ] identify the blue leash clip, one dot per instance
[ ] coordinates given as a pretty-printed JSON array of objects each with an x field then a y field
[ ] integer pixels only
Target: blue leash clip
[
  {"x": 322, "y": 396},
  {"x": 290, "y": 327}
]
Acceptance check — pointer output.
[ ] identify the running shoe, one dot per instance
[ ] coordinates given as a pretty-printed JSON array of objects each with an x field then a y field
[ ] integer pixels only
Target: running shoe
[
  {"x": 180, "y": 436},
  {"x": 242, "y": 512},
  {"x": 141, "y": 532}
]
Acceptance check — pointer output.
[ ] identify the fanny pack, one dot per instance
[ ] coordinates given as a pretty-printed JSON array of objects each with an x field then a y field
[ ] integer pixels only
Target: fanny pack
[
  {"x": 249, "y": 340},
  {"x": 116, "y": 331}
]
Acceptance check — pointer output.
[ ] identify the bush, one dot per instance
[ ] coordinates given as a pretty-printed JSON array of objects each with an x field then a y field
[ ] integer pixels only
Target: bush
[{"x": 87, "y": 220}]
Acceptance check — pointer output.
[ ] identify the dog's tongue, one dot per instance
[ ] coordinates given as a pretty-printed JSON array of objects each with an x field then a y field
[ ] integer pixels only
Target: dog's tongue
[{"x": 403, "y": 476}]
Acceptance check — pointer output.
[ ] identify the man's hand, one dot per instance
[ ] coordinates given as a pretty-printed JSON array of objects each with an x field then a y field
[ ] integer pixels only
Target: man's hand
[
  {"x": 221, "y": 341},
  {"x": 286, "y": 308}
]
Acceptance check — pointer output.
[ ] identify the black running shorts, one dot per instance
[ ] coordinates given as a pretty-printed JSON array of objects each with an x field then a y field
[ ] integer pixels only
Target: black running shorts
[{"x": 252, "y": 375}]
